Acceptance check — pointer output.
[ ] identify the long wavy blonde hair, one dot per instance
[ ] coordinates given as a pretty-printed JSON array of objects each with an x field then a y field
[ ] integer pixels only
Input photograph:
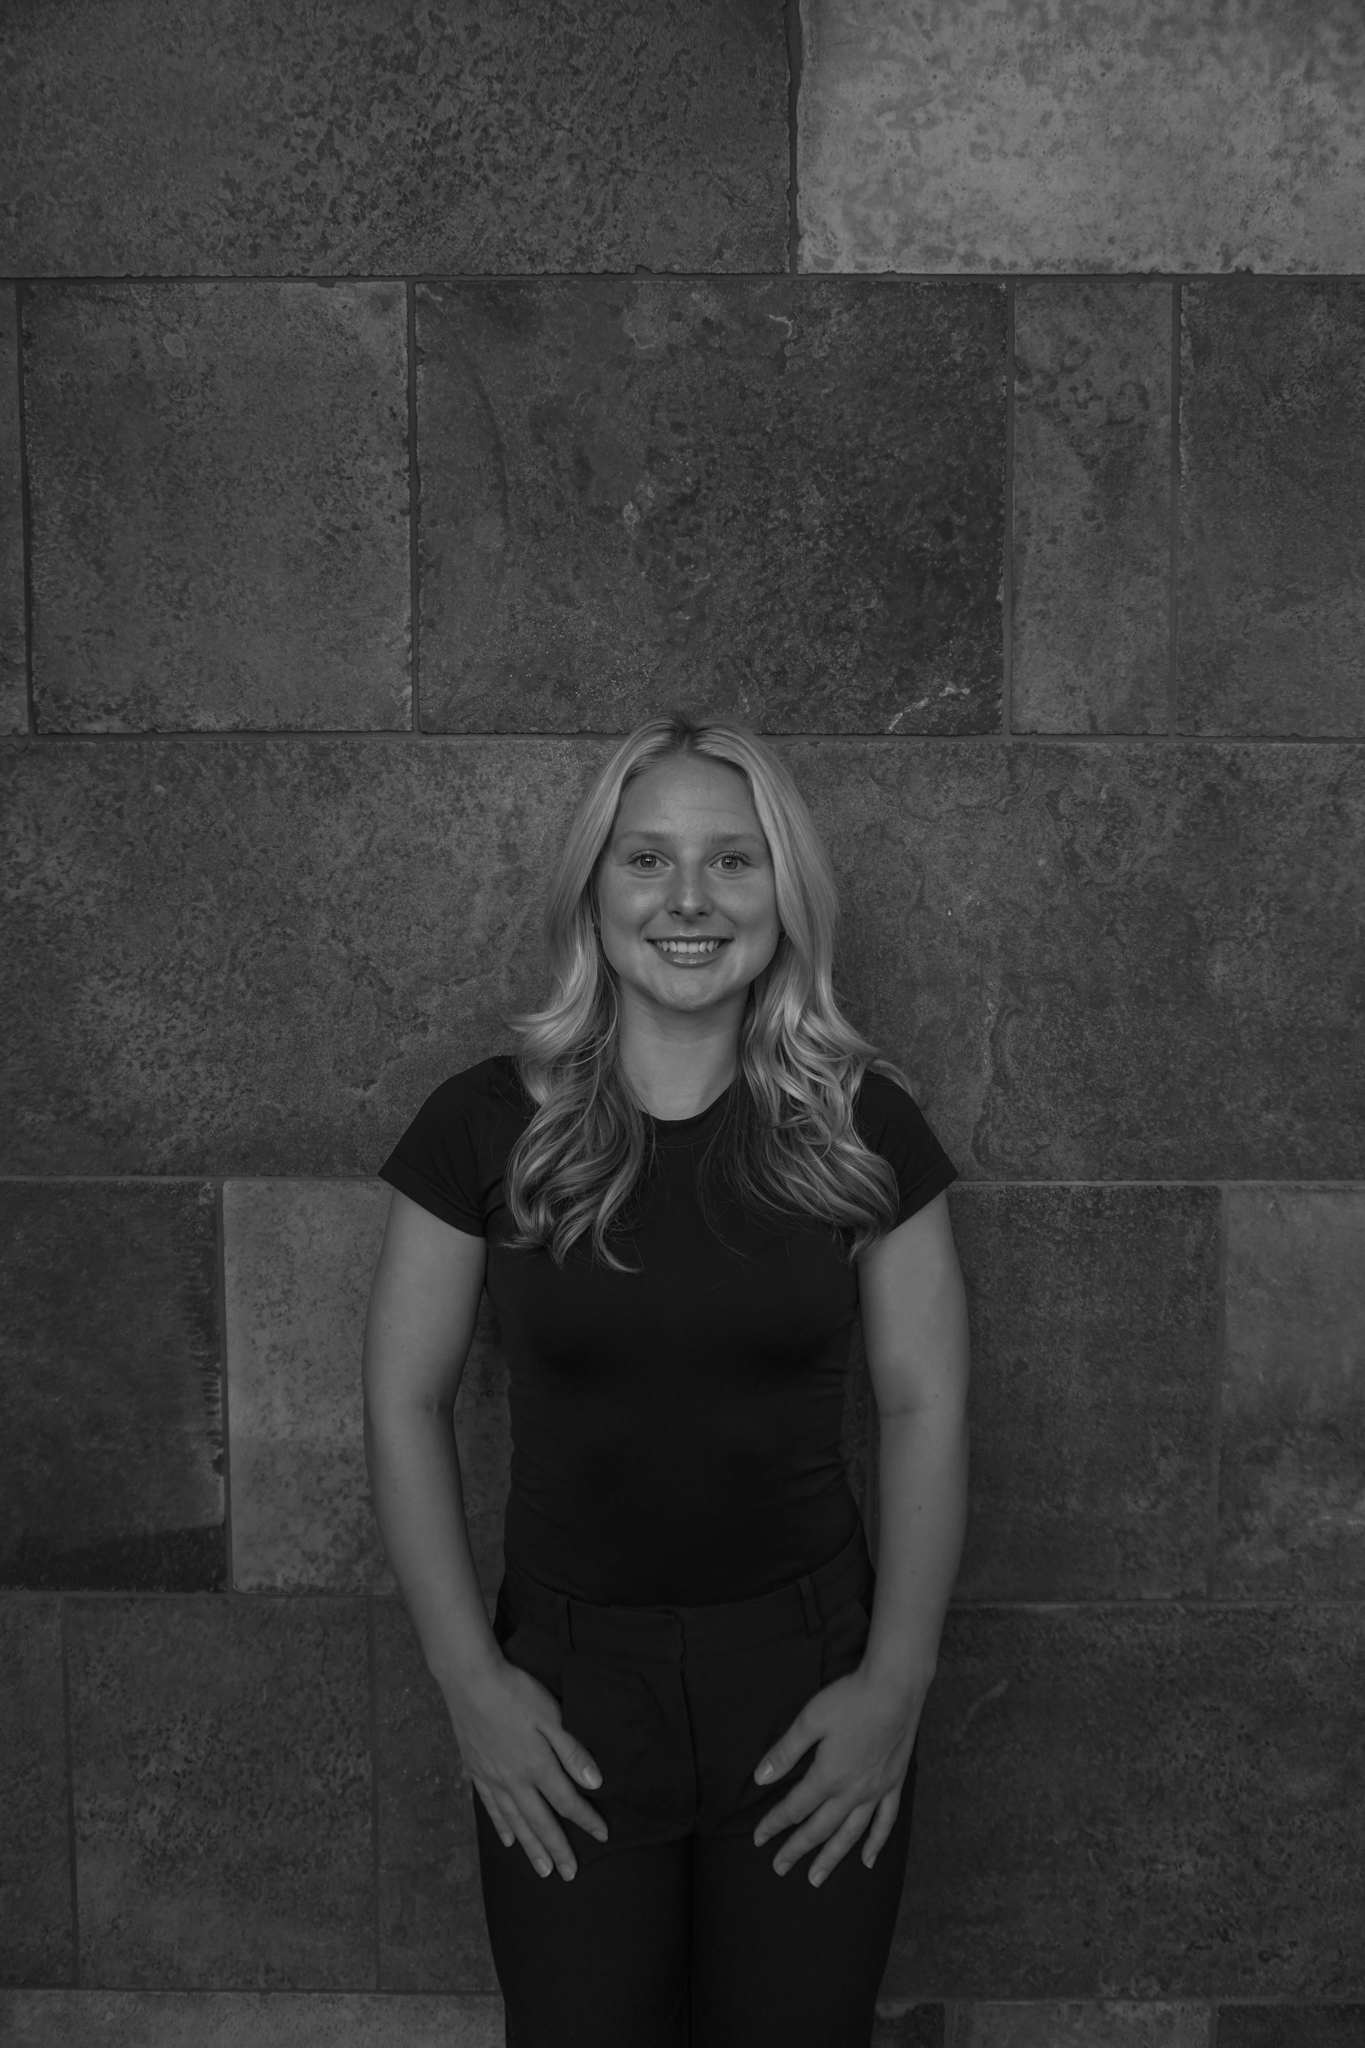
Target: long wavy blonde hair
[{"x": 786, "y": 1144}]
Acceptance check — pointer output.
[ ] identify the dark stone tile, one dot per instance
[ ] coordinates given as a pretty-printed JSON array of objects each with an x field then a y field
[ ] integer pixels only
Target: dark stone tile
[
  {"x": 1111, "y": 2024},
  {"x": 222, "y": 1783},
  {"x": 250, "y": 136},
  {"x": 898, "y": 2025},
  {"x": 776, "y": 500},
  {"x": 1092, "y": 507},
  {"x": 432, "y": 1935},
  {"x": 1272, "y": 507},
  {"x": 1094, "y": 1322},
  {"x": 1145, "y": 1802},
  {"x": 219, "y": 484},
  {"x": 35, "y": 1870},
  {"x": 13, "y": 632},
  {"x": 1291, "y": 2026},
  {"x": 986, "y": 135},
  {"x": 111, "y": 1443},
  {"x": 1293, "y": 1415},
  {"x": 246, "y": 2019},
  {"x": 1109, "y": 962}
]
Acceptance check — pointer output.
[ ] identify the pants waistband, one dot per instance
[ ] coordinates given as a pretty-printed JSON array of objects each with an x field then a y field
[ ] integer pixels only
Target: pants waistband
[{"x": 669, "y": 1633}]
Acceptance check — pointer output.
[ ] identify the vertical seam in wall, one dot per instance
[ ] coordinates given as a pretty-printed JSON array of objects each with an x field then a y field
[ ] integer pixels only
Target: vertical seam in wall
[
  {"x": 1220, "y": 1373},
  {"x": 414, "y": 565},
  {"x": 794, "y": 55},
  {"x": 1212, "y": 2035},
  {"x": 372, "y": 1659},
  {"x": 1174, "y": 599},
  {"x": 1007, "y": 562},
  {"x": 70, "y": 1800},
  {"x": 220, "y": 1280},
  {"x": 25, "y": 507}
]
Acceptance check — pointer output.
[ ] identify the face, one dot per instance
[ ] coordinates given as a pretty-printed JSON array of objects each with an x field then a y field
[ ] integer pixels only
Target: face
[{"x": 685, "y": 888}]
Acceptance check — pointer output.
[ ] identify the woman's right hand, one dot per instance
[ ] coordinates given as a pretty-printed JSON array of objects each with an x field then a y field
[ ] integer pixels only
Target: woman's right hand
[{"x": 523, "y": 1763}]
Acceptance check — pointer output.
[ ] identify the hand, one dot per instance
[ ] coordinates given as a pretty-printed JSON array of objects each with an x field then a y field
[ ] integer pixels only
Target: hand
[
  {"x": 865, "y": 1734},
  {"x": 523, "y": 1764}
]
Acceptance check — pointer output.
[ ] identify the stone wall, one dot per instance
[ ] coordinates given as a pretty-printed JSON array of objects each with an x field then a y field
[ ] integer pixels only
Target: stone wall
[{"x": 395, "y": 403}]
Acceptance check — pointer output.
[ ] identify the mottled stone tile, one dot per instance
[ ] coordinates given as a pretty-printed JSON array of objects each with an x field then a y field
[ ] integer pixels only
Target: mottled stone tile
[
  {"x": 1291, "y": 1493},
  {"x": 432, "y": 1935},
  {"x": 222, "y": 1788},
  {"x": 1108, "y": 2024},
  {"x": 1146, "y": 1802},
  {"x": 1092, "y": 507},
  {"x": 246, "y": 2019},
  {"x": 778, "y": 500},
  {"x": 111, "y": 1445},
  {"x": 13, "y": 630},
  {"x": 1291, "y": 2026},
  {"x": 249, "y": 136},
  {"x": 1094, "y": 1326},
  {"x": 1143, "y": 135},
  {"x": 35, "y": 1873},
  {"x": 1272, "y": 507},
  {"x": 899, "y": 2025},
  {"x": 219, "y": 486}
]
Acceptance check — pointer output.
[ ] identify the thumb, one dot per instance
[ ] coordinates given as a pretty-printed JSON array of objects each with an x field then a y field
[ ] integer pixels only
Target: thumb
[{"x": 785, "y": 1752}]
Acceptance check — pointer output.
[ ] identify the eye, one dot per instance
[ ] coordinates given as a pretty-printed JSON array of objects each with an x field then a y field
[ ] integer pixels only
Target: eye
[
  {"x": 642, "y": 860},
  {"x": 737, "y": 858}
]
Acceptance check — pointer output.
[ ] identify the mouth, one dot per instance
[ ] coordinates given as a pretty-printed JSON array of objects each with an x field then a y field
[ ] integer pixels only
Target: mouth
[{"x": 688, "y": 952}]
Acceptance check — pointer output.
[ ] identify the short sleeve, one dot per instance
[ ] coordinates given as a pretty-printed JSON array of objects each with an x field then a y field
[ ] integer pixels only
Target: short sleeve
[
  {"x": 890, "y": 1122},
  {"x": 437, "y": 1162}
]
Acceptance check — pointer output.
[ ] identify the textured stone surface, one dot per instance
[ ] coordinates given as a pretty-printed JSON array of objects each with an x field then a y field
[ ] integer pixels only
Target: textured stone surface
[
  {"x": 1092, "y": 507},
  {"x": 1110, "y": 2024},
  {"x": 35, "y": 1875},
  {"x": 1292, "y": 1497},
  {"x": 219, "y": 482},
  {"x": 243, "y": 136},
  {"x": 432, "y": 1935},
  {"x": 222, "y": 1787},
  {"x": 1272, "y": 512},
  {"x": 779, "y": 500},
  {"x": 1108, "y": 135},
  {"x": 1094, "y": 1322},
  {"x": 246, "y": 2019},
  {"x": 1098, "y": 962},
  {"x": 111, "y": 1445},
  {"x": 13, "y": 658},
  {"x": 1291, "y": 2026},
  {"x": 1139, "y": 1803},
  {"x": 899, "y": 2025}
]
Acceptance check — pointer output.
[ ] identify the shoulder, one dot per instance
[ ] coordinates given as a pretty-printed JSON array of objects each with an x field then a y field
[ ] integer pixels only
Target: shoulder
[
  {"x": 881, "y": 1103},
  {"x": 490, "y": 1085}
]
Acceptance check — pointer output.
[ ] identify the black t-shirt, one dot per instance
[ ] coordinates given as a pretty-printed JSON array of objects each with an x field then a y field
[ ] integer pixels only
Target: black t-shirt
[{"x": 675, "y": 1430}]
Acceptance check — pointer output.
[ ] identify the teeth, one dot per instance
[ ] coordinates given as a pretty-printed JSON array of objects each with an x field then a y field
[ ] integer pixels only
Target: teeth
[{"x": 687, "y": 945}]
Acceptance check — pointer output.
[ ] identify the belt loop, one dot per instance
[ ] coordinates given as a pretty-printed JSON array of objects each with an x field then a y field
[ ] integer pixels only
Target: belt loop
[
  {"x": 811, "y": 1605},
  {"x": 565, "y": 1621}
]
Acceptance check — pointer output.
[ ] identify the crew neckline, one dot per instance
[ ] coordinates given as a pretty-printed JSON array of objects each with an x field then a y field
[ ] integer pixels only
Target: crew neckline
[{"x": 683, "y": 1126}]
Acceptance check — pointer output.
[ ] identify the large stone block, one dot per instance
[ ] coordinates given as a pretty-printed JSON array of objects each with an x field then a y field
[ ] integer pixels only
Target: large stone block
[
  {"x": 1092, "y": 507},
  {"x": 246, "y": 2019},
  {"x": 432, "y": 1935},
  {"x": 300, "y": 1256},
  {"x": 1293, "y": 1413},
  {"x": 111, "y": 1440},
  {"x": 1094, "y": 1322},
  {"x": 1138, "y": 135},
  {"x": 222, "y": 1792},
  {"x": 1291, "y": 2026},
  {"x": 36, "y": 1936},
  {"x": 1110, "y": 2024},
  {"x": 254, "y": 136},
  {"x": 777, "y": 500},
  {"x": 219, "y": 483},
  {"x": 902, "y": 2025},
  {"x": 13, "y": 628},
  {"x": 1142, "y": 1802},
  {"x": 1272, "y": 507}
]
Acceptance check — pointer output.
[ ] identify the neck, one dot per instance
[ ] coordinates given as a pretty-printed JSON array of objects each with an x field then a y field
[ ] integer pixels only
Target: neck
[{"x": 675, "y": 1065}]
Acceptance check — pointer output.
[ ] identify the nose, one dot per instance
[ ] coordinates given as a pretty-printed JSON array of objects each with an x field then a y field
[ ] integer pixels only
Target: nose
[{"x": 689, "y": 896}]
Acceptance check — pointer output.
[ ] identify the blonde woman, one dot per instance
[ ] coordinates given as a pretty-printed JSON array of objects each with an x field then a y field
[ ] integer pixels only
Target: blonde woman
[{"x": 690, "y": 1728}]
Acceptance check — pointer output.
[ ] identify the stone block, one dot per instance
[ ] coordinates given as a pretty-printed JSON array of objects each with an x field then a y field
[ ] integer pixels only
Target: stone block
[
  {"x": 251, "y": 136},
  {"x": 35, "y": 1868},
  {"x": 980, "y": 135},
  {"x": 222, "y": 1793},
  {"x": 1141, "y": 1802},
  {"x": 1291, "y": 2026},
  {"x": 246, "y": 2019},
  {"x": 1094, "y": 1323},
  {"x": 1293, "y": 1413},
  {"x": 219, "y": 486},
  {"x": 776, "y": 500},
  {"x": 899, "y": 2025},
  {"x": 432, "y": 1935},
  {"x": 1272, "y": 507},
  {"x": 1092, "y": 507},
  {"x": 1109, "y": 2024},
  {"x": 111, "y": 1442},
  {"x": 13, "y": 628}
]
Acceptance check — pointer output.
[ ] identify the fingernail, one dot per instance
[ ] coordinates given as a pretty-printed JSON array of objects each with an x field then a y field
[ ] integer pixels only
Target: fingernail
[
  {"x": 763, "y": 1773},
  {"x": 592, "y": 1777},
  {"x": 572, "y": 1871},
  {"x": 781, "y": 1869},
  {"x": 817, "y": 1877},
  {"x": 544, "y": 1868}
]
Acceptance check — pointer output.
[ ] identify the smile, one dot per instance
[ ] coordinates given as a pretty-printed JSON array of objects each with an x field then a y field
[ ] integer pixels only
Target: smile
[{"x": 688, "y": 949}]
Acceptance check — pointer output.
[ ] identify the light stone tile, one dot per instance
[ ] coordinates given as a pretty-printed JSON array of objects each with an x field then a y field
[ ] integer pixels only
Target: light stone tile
[
  {"x": 246, "y": 2019},
  {"x": 1111, "y": 2024}
]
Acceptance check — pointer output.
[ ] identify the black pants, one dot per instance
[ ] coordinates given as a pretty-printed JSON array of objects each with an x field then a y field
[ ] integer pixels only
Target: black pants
[{"x": 677, "y": 1930}]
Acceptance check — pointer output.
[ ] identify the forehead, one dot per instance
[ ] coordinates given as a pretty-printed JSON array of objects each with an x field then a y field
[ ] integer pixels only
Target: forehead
[{"x": 686, "y": 793}]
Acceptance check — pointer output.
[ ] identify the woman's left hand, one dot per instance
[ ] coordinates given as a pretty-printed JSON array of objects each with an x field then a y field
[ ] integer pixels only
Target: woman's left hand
[{"x": 865, "y": 1732}]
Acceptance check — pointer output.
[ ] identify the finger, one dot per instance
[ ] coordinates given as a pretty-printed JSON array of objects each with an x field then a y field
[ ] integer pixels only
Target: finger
[
  {"x": 818, "y": 1828},
  {"x": 788, "y": 1750},
  {"x": 840, "y": 1842},
  {"x": 888, "y": 1806},
  {"x": 565, "y": 1799},
  {"x": 550, "y": 1835},
  {"x": 530, "y": 1842},
  {"x": 800, "y": 1801},
  {"x": 495, "y": 1814},
  {"x": 574, "y": 1757}
]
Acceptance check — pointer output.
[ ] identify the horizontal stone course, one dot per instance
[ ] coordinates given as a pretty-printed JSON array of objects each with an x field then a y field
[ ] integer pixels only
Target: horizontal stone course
[
  {"x": 36, "y": 1934},
  {"x": 1108, "y": 2024},
  {"x": 246, "y": 2019},
  {"x": 1291, "y": 2026}
]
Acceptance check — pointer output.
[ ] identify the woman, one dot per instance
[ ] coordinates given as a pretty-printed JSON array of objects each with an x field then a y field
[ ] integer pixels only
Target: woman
[{"x": 690, "y": 1729}]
